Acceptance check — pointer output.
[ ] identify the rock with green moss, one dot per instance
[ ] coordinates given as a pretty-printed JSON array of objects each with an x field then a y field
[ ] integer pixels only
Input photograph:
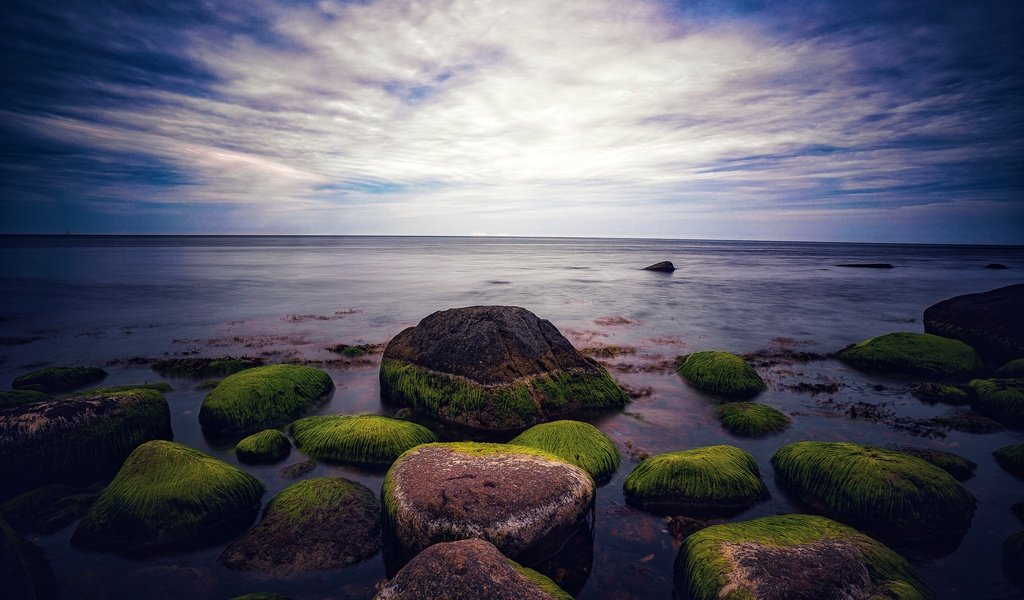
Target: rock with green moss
[
  {"x": 933, "y": 393},
  {"x": 313, "y": 525},
  {"x": 891, "y": 493},
  {"x": 791, "y": 557},
  {"x": 47, "y": 509},
  {"x": 750, "y": 419},
  {"x": 371, "y": 440},
  {"x": 1011, "y": 370},
  {"x": 263, "y": 397},
  {"x": 520, "y": 499},
  {"x": 267, "y": 446},
  {"x": 990, "y": 322},
  {"x": 205, "y": 367},
  {"x": 720, "y": 373},
  {"x": 959, "y": 467},
  {"x": 1013, "y": 558},
  {"x": 1011, "y": 459},
  {"x": 24, "y": 571},
  {"x": 577, "y": 442},
  {"x": 1001, "y": 399},
  {"x": 492, "y": 367},
  {"x": 58, "y": 379},
  {"x": 702, "y": 481},
  {"x": 468, "y": 569},
  {"x": 116, "y": 389},
  {"x": 169, "y": 497},
  {"x": 9, "y": 398},
  {"x": 76, "y": 440},
  {"x": 914, "y": 353}
]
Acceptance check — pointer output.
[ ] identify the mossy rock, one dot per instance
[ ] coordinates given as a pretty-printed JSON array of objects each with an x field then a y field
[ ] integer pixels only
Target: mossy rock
[
  {"x": 76, "y": 440},
  {"x": 721, "y": 373},
  {"x": 267, "y": 446},
  {"x": 576, "y": 442},
  {"x": 990, "y": 322},
  {"x": 933, "y": 393},
  {"x": 708, "y": 480},
  {"x": 1011, "y": 370},
  {"x": 263, "y": 397},
  {"x": 968, "y": 422},
  {"x": 914, "y": 353},
  {"x": 959, "y": 467},
  {"x": 205, "y": 367},
  {"x": 750, "y": 419},
  {"x": 24, "y": 571},
  {"x": 891, "y": 493},
  {"x": 1001, "y": 399},
  {"x": 1011, "y": 459},
  {"x": 58, "y": 379},
  {"x": 312, "y": 525},
  {"x": 47, "y": 509},
  {"x": 9, "y": 398},
  {"x": 168, "y": 497},
  {"x": 795, "y": 557},
  {"x": 371, "y": 440},
  {"x": 1013, "y": 558},
  {"x": 117, "y": 389}
]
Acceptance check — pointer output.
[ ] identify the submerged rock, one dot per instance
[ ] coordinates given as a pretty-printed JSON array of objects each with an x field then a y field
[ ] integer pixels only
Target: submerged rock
[
  {"x": 267, "y": 446},
  {"x": 750, "y": 419},
  {"x": 720, "y": 373},
  {"x": 933, "y": 393},
  {"x": 576, "y": 442},
  {"x": 1011, "y": 370},
  {"x": 959, "y": 467},
  {"x": 263, "y": 397},
  {"x": 1011, "y": 459},
  {"x": 991, "y": 322},
  {"x": 205, "y": 367},
  {"x": 47, "y": 509},
  {"x": 664, "y": 266},
  {"x": 24, "y": 571},
  {"x": 58, "y": 379},
  {"x": 1000, "y": 399},
  {"x": 914, "y": 353},
  {"x": 371, "y": 440}
]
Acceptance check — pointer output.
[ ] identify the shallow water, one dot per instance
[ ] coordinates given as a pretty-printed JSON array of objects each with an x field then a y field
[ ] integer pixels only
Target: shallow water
[{"x": 93, "y": 300}]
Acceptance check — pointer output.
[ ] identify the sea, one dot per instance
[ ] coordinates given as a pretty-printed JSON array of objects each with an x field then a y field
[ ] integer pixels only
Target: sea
[{"x": 121, "y": 302}]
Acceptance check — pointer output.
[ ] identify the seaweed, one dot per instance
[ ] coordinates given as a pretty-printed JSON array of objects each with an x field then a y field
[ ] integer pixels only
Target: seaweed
[
  {"x": 576, "y": 442},
  {"x": 267, "y": 446},
  {"x": 720, "y": 373},
  {"x": 914, "y": 353},
  {"x": 1001, "y": 399},
  {"x": 360, "y": 439},
  {"x": 750, "y": 419},
  {"x": 263, "y": 397}
]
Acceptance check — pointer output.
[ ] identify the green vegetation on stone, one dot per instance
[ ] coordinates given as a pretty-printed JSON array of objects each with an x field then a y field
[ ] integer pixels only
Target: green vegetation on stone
[
  {"x": 204, "y": 367},
  {"x": 576, "y": 442},
  {"x": 263, "y": 397},
  {"x": 269, "y": 445},
  {"x": 914, "y": 353},
  {"x": 1011, "y": 370},
  {"x": 1011, "y": 458},
  {"x": 542, "y": 581},
  {"x": 359, "y": 439},
  {"x": 1001, "y": 399},
  {"x": 24, "y": 570},
  {"x": 959, "y": 467},
  {"x": 751, "y": 419},
  {"x": 720, "y": 373},
  {"x": 117, "y": 389},
  {"x": 58, "y": 379},
  {"x": 15, "y": 397}
]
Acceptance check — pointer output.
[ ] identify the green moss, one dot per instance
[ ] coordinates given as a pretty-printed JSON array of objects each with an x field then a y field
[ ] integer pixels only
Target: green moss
[
  {"x": 720, "y": 373},
  {"x": 156, "y": 387},
  {"x": 702, "y": 566},
  {"x": 708, "y": 479},
  {"x": 1011, "y": 370},
  {"x": 1001, "y": 399},
  {"x": 542, "y": 581},
  {"x": 24, "y": 570},
  {"x": 263, "y": 397},
  {"x": 889, "y": 492},
  {"x": 46, "y": 510},
  {"x": 575, "y": 442},
  {"x": 58, "y": 379},
  {"x": 204, "y": 367},
  {"x": 359, "y": 439},
  {"x": 1011, "y": 458},
  {"x": 269, "y": 445},
  {"x": 168, "y": 496},
  {"x": 10, "y": 398},
  {"x": 959, "y": 467},
  {"x": 750, "y": 419},
  {"x": 914, "y": 353}
]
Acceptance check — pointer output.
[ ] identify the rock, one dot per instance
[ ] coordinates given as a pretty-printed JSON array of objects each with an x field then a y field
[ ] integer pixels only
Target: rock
[
  {"x": 370, "y": 440},
  {"x": 575, "y": 442},
  {"x": 492, "y": 367},
  {"x": 117, "y": 389},
  {"x": 9, "y": 398},
  {"x": 47, "y": 509},
  {"x": 682, "y": 527},
  {"x": 751, "y": 420},
  {"x": 663, "y": 267},
  {"x": 1000, "y": 399},
  {"x": 297, "y": 470},
  {"x": 468, "y": 570},
  {"x": 913, "y": 353},
  {"x": 720, "y": 373},
  {"x": 1013, "y": 558},
  {"x": 891, "y": 493},
  {"x": 791, "y": 557},
  {"x": 866, "y": 265},
  {"x": 702, "y": 481},
  {"x": 1011, "y": 370},
  {"x": 205, "y": 367},
  {"x": 263, "y": 397},
  {"x": 996, "y": 266},
  {"x": 77, "y": 440},
  {"x": 58, "y": 379},
  {"x": 24, "y": 571},
  {"x": 312, "y": 525},
  {"x": 517, "y": 498},
  {"x": 1011, "y": 459},
  {"x": 967, "y": 421},
  {"x": 169, "y": 497},
  {"x": 991, "y": 322},
  {"x": 267, "y": 446},
  {"x": 933, "y": 393},
  {"x": 959, "y": 467}
]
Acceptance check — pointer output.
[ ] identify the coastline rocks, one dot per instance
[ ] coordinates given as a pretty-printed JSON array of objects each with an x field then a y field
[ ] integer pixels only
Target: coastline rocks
[
  {"x": 702, "y": 481},
  {"x": 312, "y": 525},
  {"x": 575, "y": 442},
  {"x": 750, "y": 419},
  {"x": 492, "y": 367},
  {"x": 468, "y": 570},
  {"x": 58, "y": 379},
  {"x": 25, "y": 573},
  {"x": 959, "y": 467},
  {"x": 1011, "y": 459},
  {"x": 991, "y": 322},
  {"x": 263, "y": 397},
  {"x": 913, "y": 353},
  {"x": 720, "y": 373},
  {"x": 167, "y": 497},
  {"x": 1000, "y": 399},
  {"x": 664, "y": 266},
  {"x": 791, "y": 557},
  {"x": 76, "y": 440},
  {"x": 515, "y": 497},
  {"x": 267, "y": 446},
  {"x": 370, "y": 440}
]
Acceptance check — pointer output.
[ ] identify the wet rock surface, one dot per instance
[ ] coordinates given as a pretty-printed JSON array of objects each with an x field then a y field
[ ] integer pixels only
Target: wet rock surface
[{"x": 991, "y": 322}]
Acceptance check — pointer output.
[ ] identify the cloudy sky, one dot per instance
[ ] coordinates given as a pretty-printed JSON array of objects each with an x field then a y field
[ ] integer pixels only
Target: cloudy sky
[{"x": 814, "y": 120}]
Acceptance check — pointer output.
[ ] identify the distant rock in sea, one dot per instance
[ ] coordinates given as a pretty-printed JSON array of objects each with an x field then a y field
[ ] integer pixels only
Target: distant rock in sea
[
  {"x": 663, "y": 267},
  {"x": 996, "y": 266}
]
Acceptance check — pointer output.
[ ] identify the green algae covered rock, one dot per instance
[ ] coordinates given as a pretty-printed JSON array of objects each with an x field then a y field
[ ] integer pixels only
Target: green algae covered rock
[
  {"x": 892, "y": 493},
  {"x": 371, "y": 440},
  {"x": 576, "y": 442},
  {"x": 167, "y": 497},
  {"x": 9, "y": 398},
  {"x": 959, "y": 467},
  {"x": 720, "y": 373},
  {"x": 24, "y": 571},
  {"x": 914, "y": 353},
  {"x": 267, "y": 446},
  {"x": 791, "y": 557},
  {"x": 47, "y": 509},
  {"x": 1011, "y": 370},
  {"x": 312, "y": 525},
  {"x": 1011, "y": 458},
  {"x": 1001, "y": 399},
  {"x": 263, "y": 397},
  {"x": 58, "y": 379},
  {"x": 750, "y": 419},
  {"x": 707, "y": 480},
  {"x": 116, "y": 389}
]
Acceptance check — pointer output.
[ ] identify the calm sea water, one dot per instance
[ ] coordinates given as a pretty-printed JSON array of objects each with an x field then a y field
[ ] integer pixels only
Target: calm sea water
[{"x": 100, "y": 300}]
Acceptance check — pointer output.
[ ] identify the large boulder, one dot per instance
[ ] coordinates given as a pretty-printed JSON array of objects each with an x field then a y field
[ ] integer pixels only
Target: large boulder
[
  {"x": 492, "y": 367},
  {"x": 58, "y": 379},
  {"x": 263, "y": 397},
  {"x": 914, "y": 353},
  {"x": 721, "y": 373},
  {"x": 576, "y": 442},
  {"x": 991, "y": 322},
  {"x": 371, "y": 440}
]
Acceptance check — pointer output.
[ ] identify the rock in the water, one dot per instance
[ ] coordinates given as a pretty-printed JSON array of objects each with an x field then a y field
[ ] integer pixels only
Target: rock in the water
[
  {"x": 47, "y": 509},
  {"x": 24, "y": 571},
  {"x": 914, "y": 353},
  {"x": 515, "y": 497},
  {"x": 866, "y": 265},
  {"x": 791, "y": 557},
  {"x": 996, "y": 266},
  {"x": 991, "y": 322},
  {"x": 58, "y": 379},
  {"x": 1011, "y": 458},
  {"x": 263, "y": 397},
  {"x": 1000, "y": 399},
  {"x": 76, "y": 440},
  {"x": 576, "y": 442},
  {"x": 959, "y": 467},
  {"x": 750, "y": 419},
  {"x": 933, "y": 393},
  {"x": 267, "y": 446},
  {"x": 312, "y": 525},
  {"x": 168, "y": 497},
  {"x": 468, "y": 570},
  {"x": 205, "y": 367},
  {"x": 9, "y": 398},
  {"x": 492, "y": 367},
  {"x": 1011, "y": 370},
  {"x": 720, "y": 373},
  {"x": 370, "y": 440},
  {"x": 664, "y": 266}
]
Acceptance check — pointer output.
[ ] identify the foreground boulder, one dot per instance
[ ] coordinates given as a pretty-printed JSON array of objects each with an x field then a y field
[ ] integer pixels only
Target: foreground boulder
[
  {"x": 25, "y": 573},
  {"x": 312, "y": 525},
  {"x": 492, "y": 367},
  {"x": 263, "y": 397},
  {"x": 991, "y": 322},
  {"x": 720, "y": 373},
  {"x": 51, "y": 380},
  {"x": 370, "y": 440},
  {"x": 914, "y": 353},
  {"x": 1000, "y": 399},
  {"x": 576, "y": 442},
  {"x": 468, "y": 570},
  {"x": 791, "y": 557}
]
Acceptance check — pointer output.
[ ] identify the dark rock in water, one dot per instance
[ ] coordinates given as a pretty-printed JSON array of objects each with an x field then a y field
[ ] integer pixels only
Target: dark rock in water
[
  {"x": 682, "y": 527},
  {"x": 47, "y": 509},
  {"x": 468, "y": 570},
  {"x": 866, "y": 265},
  {"x": 663, "y": 267},
  {"x": 1013, "y": 558},
  {"x": 24, "y": 571},
  {"x": 205, "y": 367},
  {"x": 933, "y": 393},
  {"x": 297, "y": 470},
  {"x": 991, "y": 322},
  {"x": 1011, "y": 458},
  {"x": 58, "y": 379},
  {"x": 959, "y": 467},
  {"x": 967, "y": 421},
  {"x": 996, "y": 266}
]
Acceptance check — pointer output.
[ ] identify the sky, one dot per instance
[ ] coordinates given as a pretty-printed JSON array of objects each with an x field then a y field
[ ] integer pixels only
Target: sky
[{"x": 875, "y": 121}]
